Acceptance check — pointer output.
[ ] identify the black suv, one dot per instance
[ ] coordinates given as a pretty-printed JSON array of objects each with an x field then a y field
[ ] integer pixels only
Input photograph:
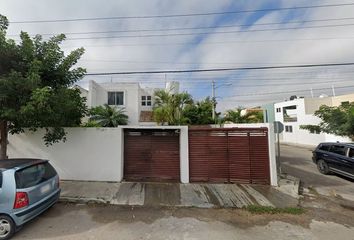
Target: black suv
[{"x": 335, "y": 157}]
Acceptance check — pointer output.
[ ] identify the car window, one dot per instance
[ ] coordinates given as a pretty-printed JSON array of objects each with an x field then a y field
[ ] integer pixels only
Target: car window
[
  {"x": 33, "y": 175},
  {"x": 338, "y": 149},
  {"x": 351, "y": 153},
  {"x": 324, "y": 147}
]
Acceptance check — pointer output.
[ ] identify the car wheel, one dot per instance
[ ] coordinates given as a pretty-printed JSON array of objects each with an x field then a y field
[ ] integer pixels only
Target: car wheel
[
  {"x": 322, "y": 167},
  {"x": 7, "y": 227}
]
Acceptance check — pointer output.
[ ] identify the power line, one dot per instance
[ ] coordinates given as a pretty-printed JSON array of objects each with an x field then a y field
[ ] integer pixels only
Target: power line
[
  {"x": 206, "y": 33},
  {"x": 198, "y": 84},
  {"x": 211, "y": 43},
  {"x": 181, "y": 15},
  {"x": 195, "y": 28},
  {"x": 222, "y": 69},
  {"x": 283, "y": 92}
]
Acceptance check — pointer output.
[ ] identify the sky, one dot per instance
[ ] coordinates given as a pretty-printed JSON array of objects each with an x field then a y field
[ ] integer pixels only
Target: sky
[{"x": 308, "y": 36}]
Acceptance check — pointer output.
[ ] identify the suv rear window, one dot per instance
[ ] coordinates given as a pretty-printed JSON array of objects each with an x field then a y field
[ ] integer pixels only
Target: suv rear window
[{"x": 34, "y": 175}]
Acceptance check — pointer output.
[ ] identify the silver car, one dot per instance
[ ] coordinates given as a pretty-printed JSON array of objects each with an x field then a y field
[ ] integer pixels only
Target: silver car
[{"x": 27, "y": 188}]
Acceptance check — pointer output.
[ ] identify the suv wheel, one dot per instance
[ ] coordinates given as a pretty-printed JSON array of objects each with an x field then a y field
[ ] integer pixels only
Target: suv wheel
[
  {"x": 7, "y": 227},
  {"x": 322, "y": 166}
]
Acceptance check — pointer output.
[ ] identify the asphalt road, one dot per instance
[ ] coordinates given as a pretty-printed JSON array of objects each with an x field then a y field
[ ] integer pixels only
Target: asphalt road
[
  {"x": 111, "y": 222},
  {"x": 297, "y": 161}
]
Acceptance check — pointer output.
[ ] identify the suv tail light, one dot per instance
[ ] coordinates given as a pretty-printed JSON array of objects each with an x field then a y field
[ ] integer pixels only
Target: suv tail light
[{"x": 21, "y": 200}]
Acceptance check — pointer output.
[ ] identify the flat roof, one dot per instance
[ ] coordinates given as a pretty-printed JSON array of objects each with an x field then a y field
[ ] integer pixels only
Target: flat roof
[{"x": 18, "y": 162}]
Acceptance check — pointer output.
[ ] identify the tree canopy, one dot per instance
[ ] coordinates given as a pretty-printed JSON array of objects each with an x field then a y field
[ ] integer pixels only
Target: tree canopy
[
  {"x": 335, "y": 120},
  {"x": 237, "y": 116},
  {"x": 36, "y": 79},
  {"x": 200, "y": 112},
  {"x": 170, "y": 108}
]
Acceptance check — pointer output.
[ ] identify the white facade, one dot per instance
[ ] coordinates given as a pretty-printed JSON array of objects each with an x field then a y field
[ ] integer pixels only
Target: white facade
[
  {"x": 135, "y": 98},
  {"x": 294, "y": 113}
]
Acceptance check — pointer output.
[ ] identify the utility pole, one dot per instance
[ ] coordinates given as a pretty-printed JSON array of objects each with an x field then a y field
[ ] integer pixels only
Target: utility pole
[
  {"x": 333, "y": 92},
  {"x": 213, "y": 98},
  {"x": 311, "y": 93}
]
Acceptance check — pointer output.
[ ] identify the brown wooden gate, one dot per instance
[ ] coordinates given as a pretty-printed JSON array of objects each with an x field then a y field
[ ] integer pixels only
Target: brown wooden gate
[
  {"x": 229, "y": 155},
  {"x": 151, "y": 155}
]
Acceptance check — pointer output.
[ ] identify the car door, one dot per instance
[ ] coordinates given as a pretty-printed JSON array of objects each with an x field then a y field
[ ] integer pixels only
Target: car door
[
  {"x": 335, "y": 156},
  {"x": 337, "y": 159}
]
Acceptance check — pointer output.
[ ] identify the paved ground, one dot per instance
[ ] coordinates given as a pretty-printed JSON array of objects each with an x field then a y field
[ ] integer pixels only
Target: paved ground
[
  {"x": 297, "y": 161},
  {"x": 66, "y": 221},
  {"x": 175, "y": 194}
]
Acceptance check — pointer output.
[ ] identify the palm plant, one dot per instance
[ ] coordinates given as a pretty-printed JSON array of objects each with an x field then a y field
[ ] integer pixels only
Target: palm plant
[
  {"x": 108, "y": 116},
  {"x": 169, "y": 108},
  {"x": 236, "y": 116}
]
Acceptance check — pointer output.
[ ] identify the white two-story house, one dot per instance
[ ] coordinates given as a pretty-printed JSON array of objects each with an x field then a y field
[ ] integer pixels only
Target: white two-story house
[
  {"x": 300, "y": 111},
  {"x": 137, "y": 101}
]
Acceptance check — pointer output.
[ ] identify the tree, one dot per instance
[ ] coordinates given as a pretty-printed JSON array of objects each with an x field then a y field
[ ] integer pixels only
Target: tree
[
  {"x": 236, "y": 116},
  {"x": 335, "y": 120},
  {"x": 107, "y": 116},
  {"x": 200, "y": 113},
  {"x": 35, "y": 87},
  {"x": 169, "y": 108}
]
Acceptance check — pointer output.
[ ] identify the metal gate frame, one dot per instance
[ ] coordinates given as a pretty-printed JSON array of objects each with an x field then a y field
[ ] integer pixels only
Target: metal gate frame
[
  {"x": 148, "y": 156},
  {"x": 229, "y": 155}
]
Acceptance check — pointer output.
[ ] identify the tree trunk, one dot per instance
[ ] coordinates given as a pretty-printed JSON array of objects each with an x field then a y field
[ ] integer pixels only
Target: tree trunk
[{"x": 3, "y": 139}]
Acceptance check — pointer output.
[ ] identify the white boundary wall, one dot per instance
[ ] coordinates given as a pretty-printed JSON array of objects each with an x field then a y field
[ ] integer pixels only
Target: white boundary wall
[
  {"x": 96, "y": 154},
  {"x": 89, "y": 154},
  {"x": 271, "y": 144}
]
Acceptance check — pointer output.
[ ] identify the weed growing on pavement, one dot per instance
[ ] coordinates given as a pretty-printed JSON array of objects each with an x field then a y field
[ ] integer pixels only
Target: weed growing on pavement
[{"x": 272, "y": 210}]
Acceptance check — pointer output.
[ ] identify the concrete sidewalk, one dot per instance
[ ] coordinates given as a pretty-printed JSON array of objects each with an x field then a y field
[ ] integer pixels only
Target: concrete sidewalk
[{"x": 175, "y": 194}]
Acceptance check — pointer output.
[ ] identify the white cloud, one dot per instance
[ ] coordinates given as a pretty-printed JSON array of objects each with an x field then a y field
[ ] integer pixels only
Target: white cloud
[{"x": 247, "y": 49}]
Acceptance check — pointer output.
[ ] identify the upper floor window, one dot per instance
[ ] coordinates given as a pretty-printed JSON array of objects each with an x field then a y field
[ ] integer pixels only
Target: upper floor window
[
  {"x": 115, "y": 98},
  {"x": 145, "y": 100},
  {"x": 289, "y": 129},
  {"x": 278, "y": 109}
]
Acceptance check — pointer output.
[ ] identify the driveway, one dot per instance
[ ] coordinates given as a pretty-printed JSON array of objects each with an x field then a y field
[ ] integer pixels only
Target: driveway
[
  {"x": 297, "y": 161},
  {"x": 67, "y": 221},
  {"x": 175, "y": 194}
]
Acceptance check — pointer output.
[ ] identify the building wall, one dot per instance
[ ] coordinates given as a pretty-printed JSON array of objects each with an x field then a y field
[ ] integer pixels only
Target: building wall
[
  {"x": 89, "y": 154},
  {"x": 336, "y": 101},
  {"x": 99, "y": 96},
  {"x": 146, "y": 92},
  {"x": 268, "y": 113},
  {"x": 304, "y": 111}
]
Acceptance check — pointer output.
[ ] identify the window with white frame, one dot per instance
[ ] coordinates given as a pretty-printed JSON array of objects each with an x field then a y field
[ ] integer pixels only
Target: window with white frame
[
  {"x": 116, "y": 98},
  {"x": 278, "y": 109},
  {"x": 289, "y": 129},
  {"x": 146, "y": 101}
]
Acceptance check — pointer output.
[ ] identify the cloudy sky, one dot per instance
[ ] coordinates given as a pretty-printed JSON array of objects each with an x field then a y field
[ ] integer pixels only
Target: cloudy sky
[{"x": 247, "y": 39}]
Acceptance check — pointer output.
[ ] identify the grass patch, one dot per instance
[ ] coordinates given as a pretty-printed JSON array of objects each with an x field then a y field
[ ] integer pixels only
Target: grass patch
[{"x": 271, "y": 210}]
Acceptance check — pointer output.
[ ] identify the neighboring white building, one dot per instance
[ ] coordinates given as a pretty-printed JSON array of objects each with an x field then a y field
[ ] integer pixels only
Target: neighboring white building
[
  {"x": 136, "y": 101},
  {"x": 300, "y": 111}
]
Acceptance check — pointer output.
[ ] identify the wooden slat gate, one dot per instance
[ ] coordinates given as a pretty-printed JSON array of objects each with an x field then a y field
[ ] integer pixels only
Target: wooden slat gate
[
  {"x": 229, "y": 155},
  {"x": 151, "y": 155}
]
